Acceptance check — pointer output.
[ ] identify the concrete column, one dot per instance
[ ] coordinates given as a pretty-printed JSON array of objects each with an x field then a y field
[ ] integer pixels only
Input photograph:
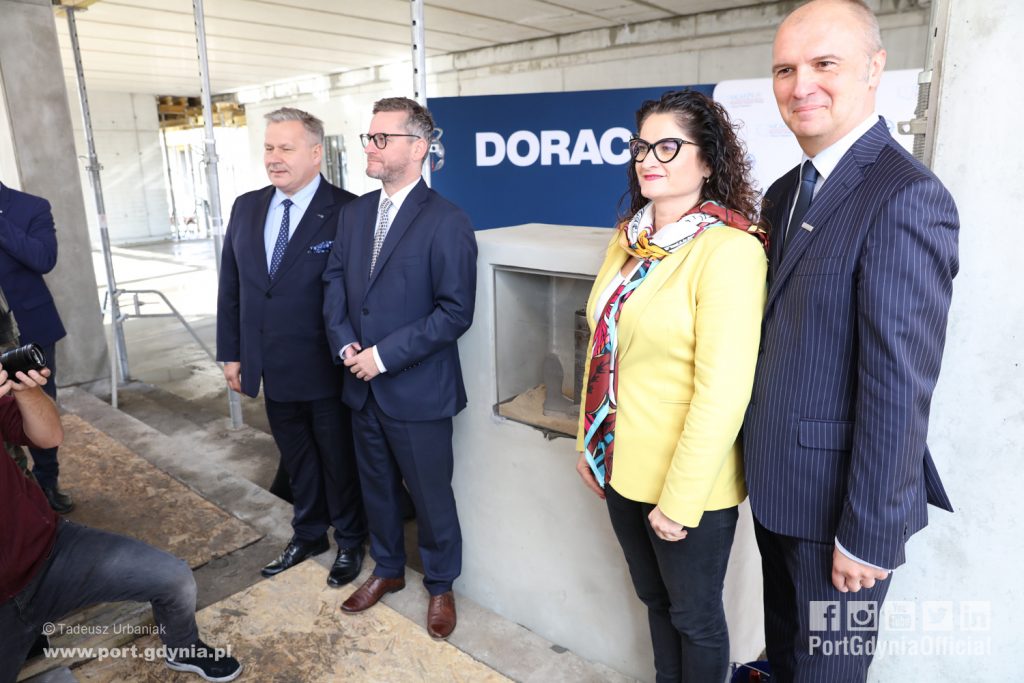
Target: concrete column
[
  {"x": 967, "y": 562},
  {"x": 37, "y": 128}
]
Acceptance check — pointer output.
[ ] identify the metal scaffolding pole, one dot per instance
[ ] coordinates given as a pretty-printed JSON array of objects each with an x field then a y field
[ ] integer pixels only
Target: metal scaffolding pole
[
  {"x": 116, "y": 321},
  {"x": 212, "y": 180},
  {"x": 419, "y": 68}
]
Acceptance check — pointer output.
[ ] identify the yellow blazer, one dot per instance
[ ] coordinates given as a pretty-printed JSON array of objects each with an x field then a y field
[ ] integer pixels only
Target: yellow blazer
[{"x": 688, "y": 340}]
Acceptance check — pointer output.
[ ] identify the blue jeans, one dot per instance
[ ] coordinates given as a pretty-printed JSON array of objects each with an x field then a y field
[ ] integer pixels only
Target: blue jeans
[
  {"x": 86, "y": 567},
  {"x": 681, "y": 583}
]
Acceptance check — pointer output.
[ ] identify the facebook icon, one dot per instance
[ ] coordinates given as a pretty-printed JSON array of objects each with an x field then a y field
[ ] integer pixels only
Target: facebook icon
[{"x": 824, "y": 615}]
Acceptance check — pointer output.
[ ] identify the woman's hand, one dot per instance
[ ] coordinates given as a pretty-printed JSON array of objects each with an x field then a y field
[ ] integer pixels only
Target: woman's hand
[
  {"x": 665, "y": 528},
  {"x": 583, "y": 467}
]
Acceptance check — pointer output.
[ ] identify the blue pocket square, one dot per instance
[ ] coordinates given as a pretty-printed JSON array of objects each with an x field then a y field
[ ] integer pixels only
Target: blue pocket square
[{"x": 321, "y": 248}]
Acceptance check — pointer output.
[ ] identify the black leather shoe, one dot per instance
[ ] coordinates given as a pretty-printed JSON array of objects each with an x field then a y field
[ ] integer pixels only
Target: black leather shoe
[
  {"x": 297, "y": 551},
  {"x": 59, "y": 501},
  {"x": 346, "y": 567}
]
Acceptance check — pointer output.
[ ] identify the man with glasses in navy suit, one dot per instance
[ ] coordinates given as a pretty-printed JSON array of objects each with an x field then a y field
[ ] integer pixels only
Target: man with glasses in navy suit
[
  {"x": 270, "y": 329},
  {"x": 400, "y": 291},
  {"x": 864, "y": 251}
]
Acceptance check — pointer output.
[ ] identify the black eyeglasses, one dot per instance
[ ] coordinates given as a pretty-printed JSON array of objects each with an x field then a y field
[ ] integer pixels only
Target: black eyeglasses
[
  {"x": 380, "y": 140},
  {"x": 665, "y": 150}
]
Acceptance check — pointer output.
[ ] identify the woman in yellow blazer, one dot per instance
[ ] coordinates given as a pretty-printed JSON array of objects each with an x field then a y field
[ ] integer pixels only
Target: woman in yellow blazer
[{"x": 675, "y": 317}]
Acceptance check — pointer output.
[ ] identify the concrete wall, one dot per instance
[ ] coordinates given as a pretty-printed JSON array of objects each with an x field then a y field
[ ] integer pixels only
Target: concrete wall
[
  {"x": 703, "y": 48},
  {"x": 37, "y": 116},
  {"x": 127, "y": 137},
  {"x": 967, "y": 561}
]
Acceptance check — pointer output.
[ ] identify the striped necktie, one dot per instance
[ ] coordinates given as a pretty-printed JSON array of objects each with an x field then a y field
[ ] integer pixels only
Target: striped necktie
[
  {"x": 282, "y": 238},
  {"x": 381, "y": 232}
]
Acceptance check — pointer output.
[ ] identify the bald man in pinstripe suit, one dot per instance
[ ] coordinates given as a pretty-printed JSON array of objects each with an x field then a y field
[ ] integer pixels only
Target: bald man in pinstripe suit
[{"x": 864, "y": 251}]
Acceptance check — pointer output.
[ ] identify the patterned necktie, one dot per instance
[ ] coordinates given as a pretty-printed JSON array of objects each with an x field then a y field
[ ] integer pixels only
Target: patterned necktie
[
  {"x": 381, "y": 232},
  {"x": 282, "y": 238},
  {"x": 809, "y": 176}
]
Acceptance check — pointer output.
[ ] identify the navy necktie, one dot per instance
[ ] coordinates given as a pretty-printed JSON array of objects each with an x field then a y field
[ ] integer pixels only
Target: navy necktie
[
  {"x": 282, "y": 238},
  {"x": 808, "y": 177}
]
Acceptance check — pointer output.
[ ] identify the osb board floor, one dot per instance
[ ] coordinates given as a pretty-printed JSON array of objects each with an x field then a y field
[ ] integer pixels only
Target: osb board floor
[
  {"x": 291, "y": 629},
  {"x": 116, "y": 490}
]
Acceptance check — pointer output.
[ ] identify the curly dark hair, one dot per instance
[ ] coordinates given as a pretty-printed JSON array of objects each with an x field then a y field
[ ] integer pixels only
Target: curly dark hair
[{"x": 705, "y": 122}]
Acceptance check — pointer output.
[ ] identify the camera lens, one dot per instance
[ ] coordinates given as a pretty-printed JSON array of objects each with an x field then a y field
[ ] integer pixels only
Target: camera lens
[{"x": 23, "y": 359}]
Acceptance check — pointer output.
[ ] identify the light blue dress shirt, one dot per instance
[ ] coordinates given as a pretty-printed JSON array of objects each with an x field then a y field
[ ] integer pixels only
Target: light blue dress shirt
[{"x": 300, "y": 202}]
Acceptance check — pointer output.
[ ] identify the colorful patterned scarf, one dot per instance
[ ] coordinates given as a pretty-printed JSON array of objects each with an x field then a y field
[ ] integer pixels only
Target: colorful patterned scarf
[{"x": 637, "y": 240}]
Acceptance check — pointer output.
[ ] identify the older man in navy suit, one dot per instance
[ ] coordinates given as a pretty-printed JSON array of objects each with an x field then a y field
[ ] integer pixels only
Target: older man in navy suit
[
  {"x": 863, "y": 257},
  {"x": 28, "y": 250},
  {"x": 270, "y": 328},
  {"x": 400, "y": 291}
]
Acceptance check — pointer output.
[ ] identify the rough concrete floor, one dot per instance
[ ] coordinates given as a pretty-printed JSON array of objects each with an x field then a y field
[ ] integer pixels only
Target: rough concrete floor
[{"x": 179, "y": 401}]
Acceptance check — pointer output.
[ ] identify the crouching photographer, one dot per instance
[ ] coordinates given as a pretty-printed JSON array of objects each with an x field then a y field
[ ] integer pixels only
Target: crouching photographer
[{"x": 50, "y": 567}]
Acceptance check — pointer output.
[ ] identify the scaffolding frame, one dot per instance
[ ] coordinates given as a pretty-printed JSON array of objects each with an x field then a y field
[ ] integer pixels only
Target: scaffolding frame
[{"x": 119, "y": 358}]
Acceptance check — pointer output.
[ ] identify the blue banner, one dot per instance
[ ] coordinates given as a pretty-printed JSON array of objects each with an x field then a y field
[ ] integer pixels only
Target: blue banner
[{"x": 539, "y": 158}]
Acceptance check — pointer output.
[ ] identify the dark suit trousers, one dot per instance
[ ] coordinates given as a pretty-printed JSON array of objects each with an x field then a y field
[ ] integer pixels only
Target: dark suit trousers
[
  {"x": 681, "y": 584},
  {"x": 315, "y": 440},
  {"x": 814, "y": 633},
  {"x": 44, "y": 460},
  {"x": 389, "y": 451}
]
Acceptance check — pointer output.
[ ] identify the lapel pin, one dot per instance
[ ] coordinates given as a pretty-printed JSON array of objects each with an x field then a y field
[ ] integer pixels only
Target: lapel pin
[
  {"x": 320, "y": 216},
  {"x": 807, "y": 226}
]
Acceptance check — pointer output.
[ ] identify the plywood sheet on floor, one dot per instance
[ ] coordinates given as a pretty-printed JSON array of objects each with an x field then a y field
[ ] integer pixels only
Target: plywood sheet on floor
[
  {"x": 116, "y": 490},
  {"x": 291, "y": 628}
]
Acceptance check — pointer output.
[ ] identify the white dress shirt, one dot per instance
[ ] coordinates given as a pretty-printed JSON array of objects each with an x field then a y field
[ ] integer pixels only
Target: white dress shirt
[
  {"x": 826, "y": 160},
  {"x": 602, "y": 300},
  {"x": 397, "y": 199}
]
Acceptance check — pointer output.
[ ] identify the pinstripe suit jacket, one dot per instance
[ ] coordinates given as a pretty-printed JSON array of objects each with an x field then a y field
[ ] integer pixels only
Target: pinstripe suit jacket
[{"x": 852, "y": 338}]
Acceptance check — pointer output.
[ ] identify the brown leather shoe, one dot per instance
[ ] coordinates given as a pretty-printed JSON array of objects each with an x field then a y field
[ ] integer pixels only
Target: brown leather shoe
[
  {"x": 441, "y": 615},
  {"x": 372, "y": 590}
]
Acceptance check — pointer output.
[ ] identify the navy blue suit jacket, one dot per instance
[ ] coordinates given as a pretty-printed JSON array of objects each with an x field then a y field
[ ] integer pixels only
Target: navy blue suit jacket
[
  {"x": 414, "y": 307},
  {"x": 28, "y": 249},
  {"x": 852, "y": 339},
  {"x": 275, "y": 328}
]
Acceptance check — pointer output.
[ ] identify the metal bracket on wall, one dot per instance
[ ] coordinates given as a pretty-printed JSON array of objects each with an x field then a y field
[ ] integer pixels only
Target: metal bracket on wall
[{"x": 922, "y": 126}]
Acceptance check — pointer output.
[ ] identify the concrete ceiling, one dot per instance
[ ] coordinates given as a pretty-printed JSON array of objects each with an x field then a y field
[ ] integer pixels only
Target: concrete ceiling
[{"x": 148, "y": 46}]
